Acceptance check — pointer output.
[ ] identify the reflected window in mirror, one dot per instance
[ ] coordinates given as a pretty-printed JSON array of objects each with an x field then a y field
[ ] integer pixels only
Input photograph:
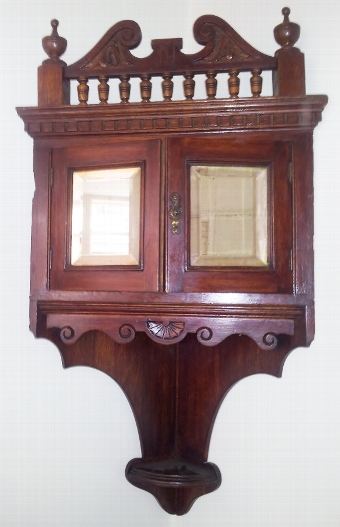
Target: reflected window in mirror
[{"x": 106, "y": 217}]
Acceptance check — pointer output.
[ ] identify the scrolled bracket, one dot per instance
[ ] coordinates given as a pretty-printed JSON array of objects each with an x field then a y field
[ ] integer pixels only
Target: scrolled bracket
[
  {"x": 67, "y": 335},
  {"x": 127, "y": 332},
  {"x": 270, "y": 340},
  {"x": 204, "y": 334}
]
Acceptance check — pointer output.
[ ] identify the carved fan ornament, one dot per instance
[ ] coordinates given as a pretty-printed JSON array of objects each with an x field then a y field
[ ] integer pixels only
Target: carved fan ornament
[
  {"x": 165, "y": 331},
  {"x": 175, "y": 334}
]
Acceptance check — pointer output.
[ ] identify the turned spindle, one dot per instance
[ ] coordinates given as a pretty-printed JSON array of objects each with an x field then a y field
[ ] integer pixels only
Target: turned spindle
[
  {"x": 167, "y": 86},
  {"x": 83, "y": 91},
  {"x": 103, "y": 89},
  {"x": 189, "y": 86},
  {"x": 145, "y": 87},
  {"x": 124, "y": 88},
  {"x": 211, "y": 84},
  {"x": 234, "y": 84},
  {"x": 256, "y": 82}
]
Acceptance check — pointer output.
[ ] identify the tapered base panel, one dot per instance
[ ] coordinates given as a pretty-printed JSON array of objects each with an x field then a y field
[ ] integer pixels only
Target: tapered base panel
[{"x": 175, "y": 392}]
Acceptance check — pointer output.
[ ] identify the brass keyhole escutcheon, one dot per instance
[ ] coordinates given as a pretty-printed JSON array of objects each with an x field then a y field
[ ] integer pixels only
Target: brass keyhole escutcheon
[{"x": 175, "y": 212}]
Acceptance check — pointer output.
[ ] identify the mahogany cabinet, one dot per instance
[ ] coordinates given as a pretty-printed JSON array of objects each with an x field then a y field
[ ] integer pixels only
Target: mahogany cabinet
[{"x": 172, "y": 241}]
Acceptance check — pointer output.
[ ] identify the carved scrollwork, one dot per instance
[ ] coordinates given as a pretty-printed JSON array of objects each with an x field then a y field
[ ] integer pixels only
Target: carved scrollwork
[
  {"x": 113, "y": 55},
  {"x": 165, "y": 332},
  {"x": 204, "y": 334},
  {"x": 67, "y": 333},
  {"x": 224, "y": 46},
  {"x": 270, "y": 340},
  {"x": 113, "y": 50},
  {"x": 127, "y": 332}
]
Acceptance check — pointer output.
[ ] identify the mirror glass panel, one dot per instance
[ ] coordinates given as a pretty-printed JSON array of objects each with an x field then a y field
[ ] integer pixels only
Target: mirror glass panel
[
  {"x": 228, "y": 216},
  {"x": 106, "y": 217}
]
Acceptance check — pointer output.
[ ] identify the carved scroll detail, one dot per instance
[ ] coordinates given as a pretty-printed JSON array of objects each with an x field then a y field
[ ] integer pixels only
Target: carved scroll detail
[
  {"x": 67, "y": 333},
  {"x": 270, "y": 340},
  {"x": 165, "y": 332},
  {"x": 127, "y": 332},
  {"x": 204, "y": 334},
  {"x": 224, "y": 42},
  {"x": 113, "y": 48},
  {"x": 115, "y": 54},
  {"x": 223, "y": 48}
]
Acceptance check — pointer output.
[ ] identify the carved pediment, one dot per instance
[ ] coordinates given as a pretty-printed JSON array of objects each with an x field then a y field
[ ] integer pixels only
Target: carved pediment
[
  {"x": 113, "y": 49},
  {"x": 223, "y": 49},
  {"x": 226, "y": 45}
]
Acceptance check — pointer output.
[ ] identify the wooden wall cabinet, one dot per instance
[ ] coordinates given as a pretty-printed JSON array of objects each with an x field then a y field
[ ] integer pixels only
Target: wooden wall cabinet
[{"x": 172, "y": 241}]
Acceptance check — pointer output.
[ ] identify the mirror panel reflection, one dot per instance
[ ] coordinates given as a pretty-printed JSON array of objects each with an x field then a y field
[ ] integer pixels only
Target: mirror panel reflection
[
  {"x": 228, "y": 216},
  {"x": 106, "y": 217}
]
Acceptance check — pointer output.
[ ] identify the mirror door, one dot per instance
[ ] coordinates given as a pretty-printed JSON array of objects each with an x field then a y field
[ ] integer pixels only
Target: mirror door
[
  {"x": 105, "y": 217},
  {"x": 234, "y": 231}
]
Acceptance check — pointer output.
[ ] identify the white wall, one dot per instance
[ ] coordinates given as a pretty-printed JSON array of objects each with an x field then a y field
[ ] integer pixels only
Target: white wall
[{"x": 66, "y": 435}]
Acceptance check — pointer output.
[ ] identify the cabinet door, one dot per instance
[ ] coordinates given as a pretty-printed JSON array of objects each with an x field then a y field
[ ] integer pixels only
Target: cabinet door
[
  {"x": 229, "y": 215},
  {"x": 105, "y": 217}
]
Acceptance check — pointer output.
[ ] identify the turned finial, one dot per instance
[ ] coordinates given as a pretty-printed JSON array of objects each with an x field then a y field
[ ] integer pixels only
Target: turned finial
[
  {"x": 54, "y": 45},
  {"x": 287, "y": 33}
]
